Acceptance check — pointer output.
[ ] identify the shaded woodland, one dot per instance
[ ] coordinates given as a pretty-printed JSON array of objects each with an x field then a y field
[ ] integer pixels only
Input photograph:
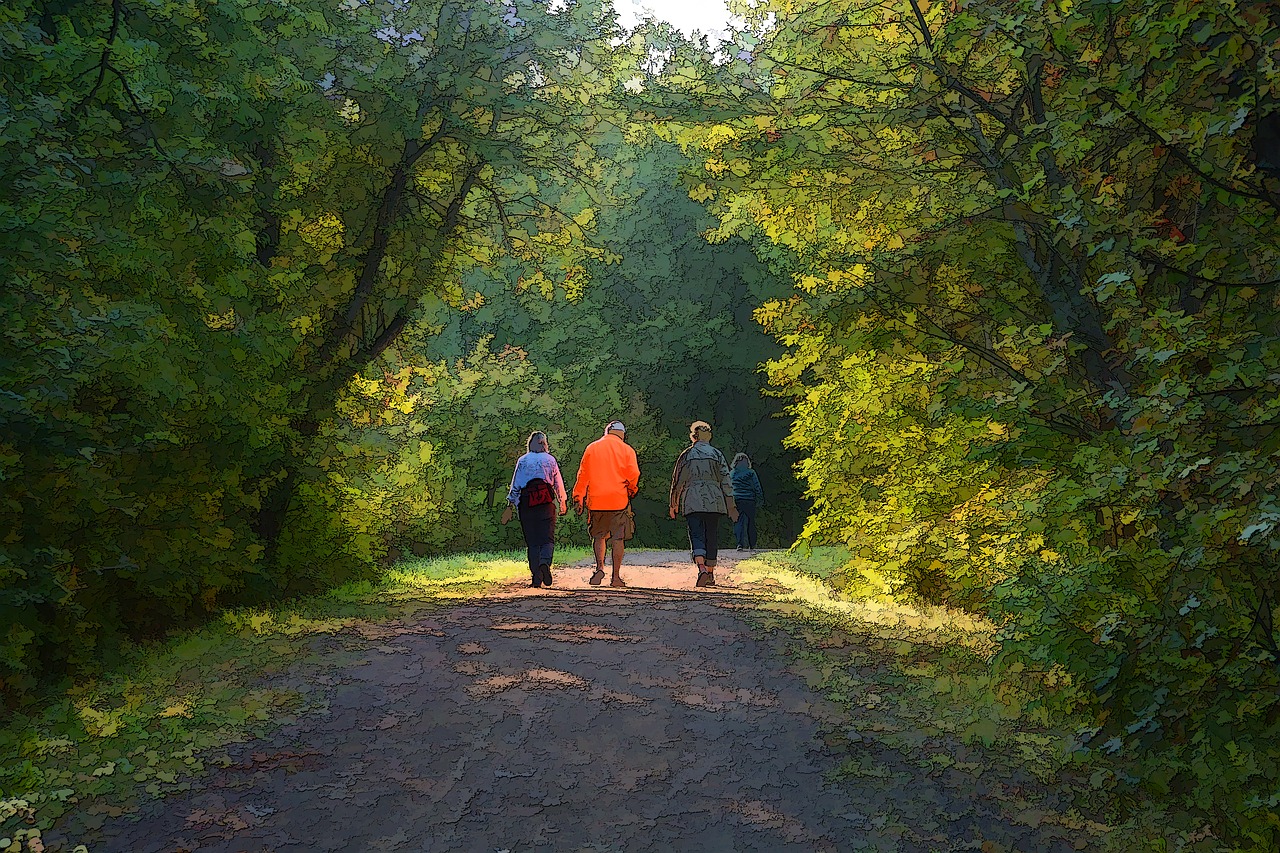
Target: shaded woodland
[{"x": 286, "y": 285}]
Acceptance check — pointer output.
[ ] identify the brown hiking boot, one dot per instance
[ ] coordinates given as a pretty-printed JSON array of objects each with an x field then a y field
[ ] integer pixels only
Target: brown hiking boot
[
  {"x": 706, "y": 579},
  {"x": 597, "y": 577}
]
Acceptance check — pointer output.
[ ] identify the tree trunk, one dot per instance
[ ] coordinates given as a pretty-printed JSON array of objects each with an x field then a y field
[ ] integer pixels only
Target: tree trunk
[
  {"x": 268, "y": 237},
  {"x": 275, "y": 507},
  {"x": 270, "y": 521}
]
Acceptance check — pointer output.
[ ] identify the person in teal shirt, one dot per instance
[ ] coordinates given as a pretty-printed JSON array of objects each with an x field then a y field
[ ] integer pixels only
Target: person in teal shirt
[{"x": 748, "y": 496}]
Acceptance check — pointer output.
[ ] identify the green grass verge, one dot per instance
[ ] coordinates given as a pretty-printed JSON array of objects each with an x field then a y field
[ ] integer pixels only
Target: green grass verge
[
  {"x": 803, "y": 580},
  {"x": 153, "y": 724}
]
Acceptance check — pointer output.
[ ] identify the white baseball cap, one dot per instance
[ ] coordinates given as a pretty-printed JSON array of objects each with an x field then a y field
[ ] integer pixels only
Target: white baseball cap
[{"x": 615, "y": 425}]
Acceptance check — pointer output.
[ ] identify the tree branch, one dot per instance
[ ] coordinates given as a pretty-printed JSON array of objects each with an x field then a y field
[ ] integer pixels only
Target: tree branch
[
  {"x": 1154, "y": 261},
  {"x": 117, "y": 9},
  {"x": 1184, "y": 158}
]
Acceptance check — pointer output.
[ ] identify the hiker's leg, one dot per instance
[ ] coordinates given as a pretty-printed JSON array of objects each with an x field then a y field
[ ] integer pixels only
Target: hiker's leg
[
  {"x": 535, "y": 571},
  {"x": 697, "y": 538},
  {"x": 619, "y": 548},
  {"x": 712, "y": 539},
  {"x": 545, "y": 554},
  {"x": 599, "y": 544},
  {"x": 549, "y": 549},
  {"x": 699, "y": 531},
  {"x": 745, "y": 527},
  {"x": 546, "y": 538},
  {"x": 528, "y": 527},
  {"x": 532, "y": 551},
  {"x": 539, "y": 523}
]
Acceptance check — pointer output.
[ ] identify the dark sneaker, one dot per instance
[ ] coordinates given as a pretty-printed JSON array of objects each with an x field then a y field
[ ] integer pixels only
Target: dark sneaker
[
  {"x": 596, "y": 578},
  {"x": 546, "y": 576}
]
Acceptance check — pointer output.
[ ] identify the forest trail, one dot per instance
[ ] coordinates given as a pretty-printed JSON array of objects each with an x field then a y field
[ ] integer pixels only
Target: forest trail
[{"x": 657, "y": 717}]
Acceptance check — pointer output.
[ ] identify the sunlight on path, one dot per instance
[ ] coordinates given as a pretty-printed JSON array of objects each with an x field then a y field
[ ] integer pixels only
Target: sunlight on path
[{"x": 650, "y": 571}]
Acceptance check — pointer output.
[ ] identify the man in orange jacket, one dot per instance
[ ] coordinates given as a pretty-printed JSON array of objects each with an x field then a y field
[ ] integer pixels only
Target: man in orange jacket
[{"x": 607, "y": 480}]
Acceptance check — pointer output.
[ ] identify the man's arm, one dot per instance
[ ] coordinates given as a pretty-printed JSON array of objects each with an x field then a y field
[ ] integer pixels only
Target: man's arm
[{"x": 632, "y": 475}]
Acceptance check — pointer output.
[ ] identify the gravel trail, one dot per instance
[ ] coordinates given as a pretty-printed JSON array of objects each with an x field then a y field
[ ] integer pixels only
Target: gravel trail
[{"x": 653, "y": 718}]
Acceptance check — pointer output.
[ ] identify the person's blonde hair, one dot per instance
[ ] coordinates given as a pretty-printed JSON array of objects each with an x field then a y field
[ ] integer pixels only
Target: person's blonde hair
[
  {"x": 697, "y": 427},
  {"x": 741, "y": 457}
]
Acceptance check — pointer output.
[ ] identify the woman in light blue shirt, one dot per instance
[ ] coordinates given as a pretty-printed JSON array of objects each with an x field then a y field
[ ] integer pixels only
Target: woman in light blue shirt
[{"x": 536, "y": 486}]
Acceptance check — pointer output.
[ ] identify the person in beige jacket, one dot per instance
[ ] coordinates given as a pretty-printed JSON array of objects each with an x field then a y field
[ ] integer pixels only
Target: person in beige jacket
[{"x": 702, "y": 491}]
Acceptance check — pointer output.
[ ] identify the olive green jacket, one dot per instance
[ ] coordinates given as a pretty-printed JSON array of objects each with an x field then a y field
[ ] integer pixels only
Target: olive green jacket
[{"x": 700, "y": 481}]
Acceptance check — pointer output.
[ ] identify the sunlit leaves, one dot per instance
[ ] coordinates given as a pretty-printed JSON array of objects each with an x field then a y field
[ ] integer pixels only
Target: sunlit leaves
[{"x": 1047, "y": 385}]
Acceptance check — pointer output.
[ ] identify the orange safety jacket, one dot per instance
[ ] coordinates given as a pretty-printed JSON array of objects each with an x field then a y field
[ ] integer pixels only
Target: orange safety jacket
[{"x": 609, "y": 475}]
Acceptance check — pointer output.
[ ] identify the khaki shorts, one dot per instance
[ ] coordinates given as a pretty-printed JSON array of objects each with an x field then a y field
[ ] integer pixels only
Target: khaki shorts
[{"x": 617, "y": 524}]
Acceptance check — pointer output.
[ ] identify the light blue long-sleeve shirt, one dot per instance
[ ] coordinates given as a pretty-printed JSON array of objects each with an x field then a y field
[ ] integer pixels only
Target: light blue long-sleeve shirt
[{"x": 532, "y": 465}]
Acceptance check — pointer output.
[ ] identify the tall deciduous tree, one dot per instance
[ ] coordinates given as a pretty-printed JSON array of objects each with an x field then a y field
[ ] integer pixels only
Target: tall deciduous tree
[{"x": 215, "y": 216}]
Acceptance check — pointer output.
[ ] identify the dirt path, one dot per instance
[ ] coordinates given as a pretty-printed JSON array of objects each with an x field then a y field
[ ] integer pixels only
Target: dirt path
[{"x": 580, "y": 719}]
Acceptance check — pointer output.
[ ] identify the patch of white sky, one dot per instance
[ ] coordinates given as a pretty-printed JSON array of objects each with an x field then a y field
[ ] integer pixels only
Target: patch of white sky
[{"x": 709, "y": 17}]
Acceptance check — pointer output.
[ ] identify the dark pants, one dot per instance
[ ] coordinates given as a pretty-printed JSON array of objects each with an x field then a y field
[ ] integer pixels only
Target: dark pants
[
  {"x": 744, "y": 529},
  {"x": 538, "y": 523},
  {"x": 704, "y": 535}
]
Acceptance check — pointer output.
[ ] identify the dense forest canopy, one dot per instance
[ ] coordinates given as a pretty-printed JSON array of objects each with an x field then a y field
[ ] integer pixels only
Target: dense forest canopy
[{"x": 285, "y": 285}]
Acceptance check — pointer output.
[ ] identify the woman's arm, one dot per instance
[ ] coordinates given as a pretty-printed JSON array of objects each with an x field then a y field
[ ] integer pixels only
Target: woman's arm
[
  {"x": 513, "y": 493},
  {"x": 726, "y": 487},
  {"x": 557, "y": 483},
  {"x": 726, "y": 481},
  {"x": 677, "y": 485}
]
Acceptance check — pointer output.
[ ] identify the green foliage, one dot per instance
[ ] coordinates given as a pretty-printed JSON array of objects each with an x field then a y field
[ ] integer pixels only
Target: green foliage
[
  {"x": 1032, "y": 350},
  {"x": 422, "y": 456},
  {"x": 231, "y": 235},
  {"x": 286, "y": 287},
  {"x": 214, "y": 217},
  {"x": 825, "y": 562}
]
